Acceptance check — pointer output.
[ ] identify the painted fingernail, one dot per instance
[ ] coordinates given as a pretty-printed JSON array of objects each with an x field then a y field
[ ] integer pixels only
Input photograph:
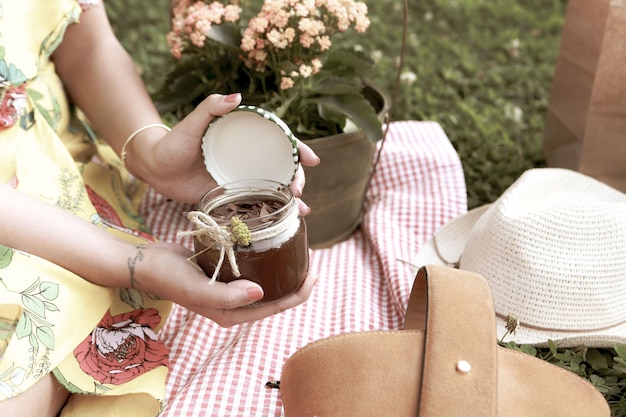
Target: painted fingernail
[
  {"x": 254, "y": 293},
  {"x": 231, "y": 98}
]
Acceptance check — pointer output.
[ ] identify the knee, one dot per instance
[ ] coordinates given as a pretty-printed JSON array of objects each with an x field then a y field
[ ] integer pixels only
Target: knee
[{"x": 44, "y": 399}]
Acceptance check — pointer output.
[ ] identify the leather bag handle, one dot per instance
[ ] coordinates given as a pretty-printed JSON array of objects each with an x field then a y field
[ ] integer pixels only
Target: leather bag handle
[{"x": 460, "y": 342}]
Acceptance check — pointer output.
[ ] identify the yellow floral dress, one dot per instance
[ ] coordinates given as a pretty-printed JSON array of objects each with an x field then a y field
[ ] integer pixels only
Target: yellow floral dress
[{"x": 100, "y": 343}]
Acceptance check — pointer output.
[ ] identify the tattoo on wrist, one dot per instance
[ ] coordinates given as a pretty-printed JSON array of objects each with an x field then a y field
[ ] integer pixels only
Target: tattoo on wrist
[{"x": 132, "y": 263}]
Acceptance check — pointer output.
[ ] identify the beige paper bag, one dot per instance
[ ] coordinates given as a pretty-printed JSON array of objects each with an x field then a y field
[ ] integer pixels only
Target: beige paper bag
[{"x": 586, "y": 120}]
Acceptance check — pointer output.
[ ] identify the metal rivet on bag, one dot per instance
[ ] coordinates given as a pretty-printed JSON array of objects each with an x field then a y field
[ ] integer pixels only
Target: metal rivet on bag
[{"x": 463, "y": 367}]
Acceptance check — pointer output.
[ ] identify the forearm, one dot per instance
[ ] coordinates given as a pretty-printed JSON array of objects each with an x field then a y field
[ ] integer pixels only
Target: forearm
[
  {"x": 160, "y": 269},
  {"x": 47, "y": 231}
]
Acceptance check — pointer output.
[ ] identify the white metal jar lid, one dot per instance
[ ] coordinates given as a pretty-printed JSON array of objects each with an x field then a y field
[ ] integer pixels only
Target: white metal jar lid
[{"x": 250, "y": 143}]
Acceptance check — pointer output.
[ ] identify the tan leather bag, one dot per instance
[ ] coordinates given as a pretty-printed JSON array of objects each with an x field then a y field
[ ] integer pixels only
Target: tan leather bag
[{"x": 445, "y": 363}]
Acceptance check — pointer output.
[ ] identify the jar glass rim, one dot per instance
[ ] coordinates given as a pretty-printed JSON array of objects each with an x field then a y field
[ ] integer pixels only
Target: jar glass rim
[{"x": 233, "y": 191}]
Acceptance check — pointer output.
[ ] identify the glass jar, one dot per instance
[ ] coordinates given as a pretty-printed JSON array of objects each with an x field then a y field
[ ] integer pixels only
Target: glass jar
[{"x": 276, "y": 255}]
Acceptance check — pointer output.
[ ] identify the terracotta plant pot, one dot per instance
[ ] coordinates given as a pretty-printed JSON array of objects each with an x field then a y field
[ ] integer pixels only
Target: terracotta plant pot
[{"x": 335, "y": 189}]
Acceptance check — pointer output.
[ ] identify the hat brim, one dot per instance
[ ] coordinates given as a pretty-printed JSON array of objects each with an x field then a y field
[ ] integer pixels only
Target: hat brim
[
  {"x": 446, "y": 248},
  {"x": 447, "y": 244}
]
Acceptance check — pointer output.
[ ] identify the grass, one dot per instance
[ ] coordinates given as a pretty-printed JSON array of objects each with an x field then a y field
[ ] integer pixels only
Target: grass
[
  {"x": 482, "y": 68},
  {"x": 484, "y": 72}
]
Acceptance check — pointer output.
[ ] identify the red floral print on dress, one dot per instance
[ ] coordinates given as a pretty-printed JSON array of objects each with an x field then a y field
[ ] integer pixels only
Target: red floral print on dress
[
  {"x": 104, "y": 209},
  {"x": 13, "y": 102},
  {"x": 110, "y": 217},
  {"x": 122, "y": 347}
]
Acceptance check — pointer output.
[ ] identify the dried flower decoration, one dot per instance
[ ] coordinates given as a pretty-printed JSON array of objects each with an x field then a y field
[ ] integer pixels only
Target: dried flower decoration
[
  {"x": 240, "y": 234},
  {"x": 511, "y": 326}
]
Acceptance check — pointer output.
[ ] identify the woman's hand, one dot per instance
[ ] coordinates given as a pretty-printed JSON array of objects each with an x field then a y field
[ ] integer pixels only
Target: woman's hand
[
  {"x": 307, "y": 158},
  {"x": 164, "y": 270},
  {"x": 173, "y": 165}
]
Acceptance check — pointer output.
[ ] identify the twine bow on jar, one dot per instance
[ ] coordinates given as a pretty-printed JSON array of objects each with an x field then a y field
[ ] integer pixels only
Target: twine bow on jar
[{"x": 210, "y": 233}]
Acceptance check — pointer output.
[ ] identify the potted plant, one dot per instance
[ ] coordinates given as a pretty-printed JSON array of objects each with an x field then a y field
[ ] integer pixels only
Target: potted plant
[{"x": 290, "y": 57}]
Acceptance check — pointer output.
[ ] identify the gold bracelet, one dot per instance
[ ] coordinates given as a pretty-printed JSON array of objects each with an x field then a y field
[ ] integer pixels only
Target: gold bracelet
[{"x": 135, "y": 133}]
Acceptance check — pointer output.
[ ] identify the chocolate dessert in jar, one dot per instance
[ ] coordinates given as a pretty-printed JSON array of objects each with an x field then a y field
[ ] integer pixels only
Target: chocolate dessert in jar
[
  {"x": 261, "y": 224},
  {"x": 250, "y": 227}
]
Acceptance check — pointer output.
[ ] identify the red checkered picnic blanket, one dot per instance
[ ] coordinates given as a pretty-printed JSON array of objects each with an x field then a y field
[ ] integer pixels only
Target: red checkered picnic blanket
[{"x": 364, "y": 282}]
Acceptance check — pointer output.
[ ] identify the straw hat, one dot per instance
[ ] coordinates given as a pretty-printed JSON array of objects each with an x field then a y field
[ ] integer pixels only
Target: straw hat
[{"x": 553, "y": 249}]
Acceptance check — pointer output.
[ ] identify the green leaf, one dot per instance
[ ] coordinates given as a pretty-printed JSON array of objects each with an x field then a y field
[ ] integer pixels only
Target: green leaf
[
  {"x": 45, "y": 336},
  {"x": 565, "y": 355},
  {"x": 596, "y": 360},
  {"x": 34, "y": 94},
  {"x": 15, "y": 75},
  {"x": 357, "y": 109},
  {"x": 27, "y": 120},
  {"x": 103, "y": 388},
  {"x": 620, "y": 370},
  {"x": 34, "y": 305},
  {"x": 50, "y": 306},
  {"x": 511, "y": 345},
  {"x": 32, "y": 339},
  {"x": 227, "y": 34},
  {"x": 596, "y": 380},
  {"x": 182, "y": 91},
  {"x": 18, "y": 375},
  {"x": 621, "y": 351},
  {"x": 32, "y": 287},
  {"x": 131, "y": 297},
  {"x": 6, "y": 256},
  {"x": 46, "y": 114},
  {"x": 24, "y": 327},
  {"x": 72, "y": 387},
  {"x": 288, "y": 67},
  {"x": 552, "y": 347},
  {"x": 620, "y": 360},
  {"x": 49, "y": 290},
  {"x": 574, "y": 366},
  {"x": 348, "y": 63},
  {"x": 332, "y": 85},
  {"x": 528, "y": 349}
]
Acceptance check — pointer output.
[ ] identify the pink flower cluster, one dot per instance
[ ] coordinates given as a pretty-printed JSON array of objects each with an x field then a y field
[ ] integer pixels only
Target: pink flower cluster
[
  {"x": 192, "y": 21},
  {"x": 288, "y": 37}
]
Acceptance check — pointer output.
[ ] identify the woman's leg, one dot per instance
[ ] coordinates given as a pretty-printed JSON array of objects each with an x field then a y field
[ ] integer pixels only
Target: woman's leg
[{"x": 44, "y": 399}]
